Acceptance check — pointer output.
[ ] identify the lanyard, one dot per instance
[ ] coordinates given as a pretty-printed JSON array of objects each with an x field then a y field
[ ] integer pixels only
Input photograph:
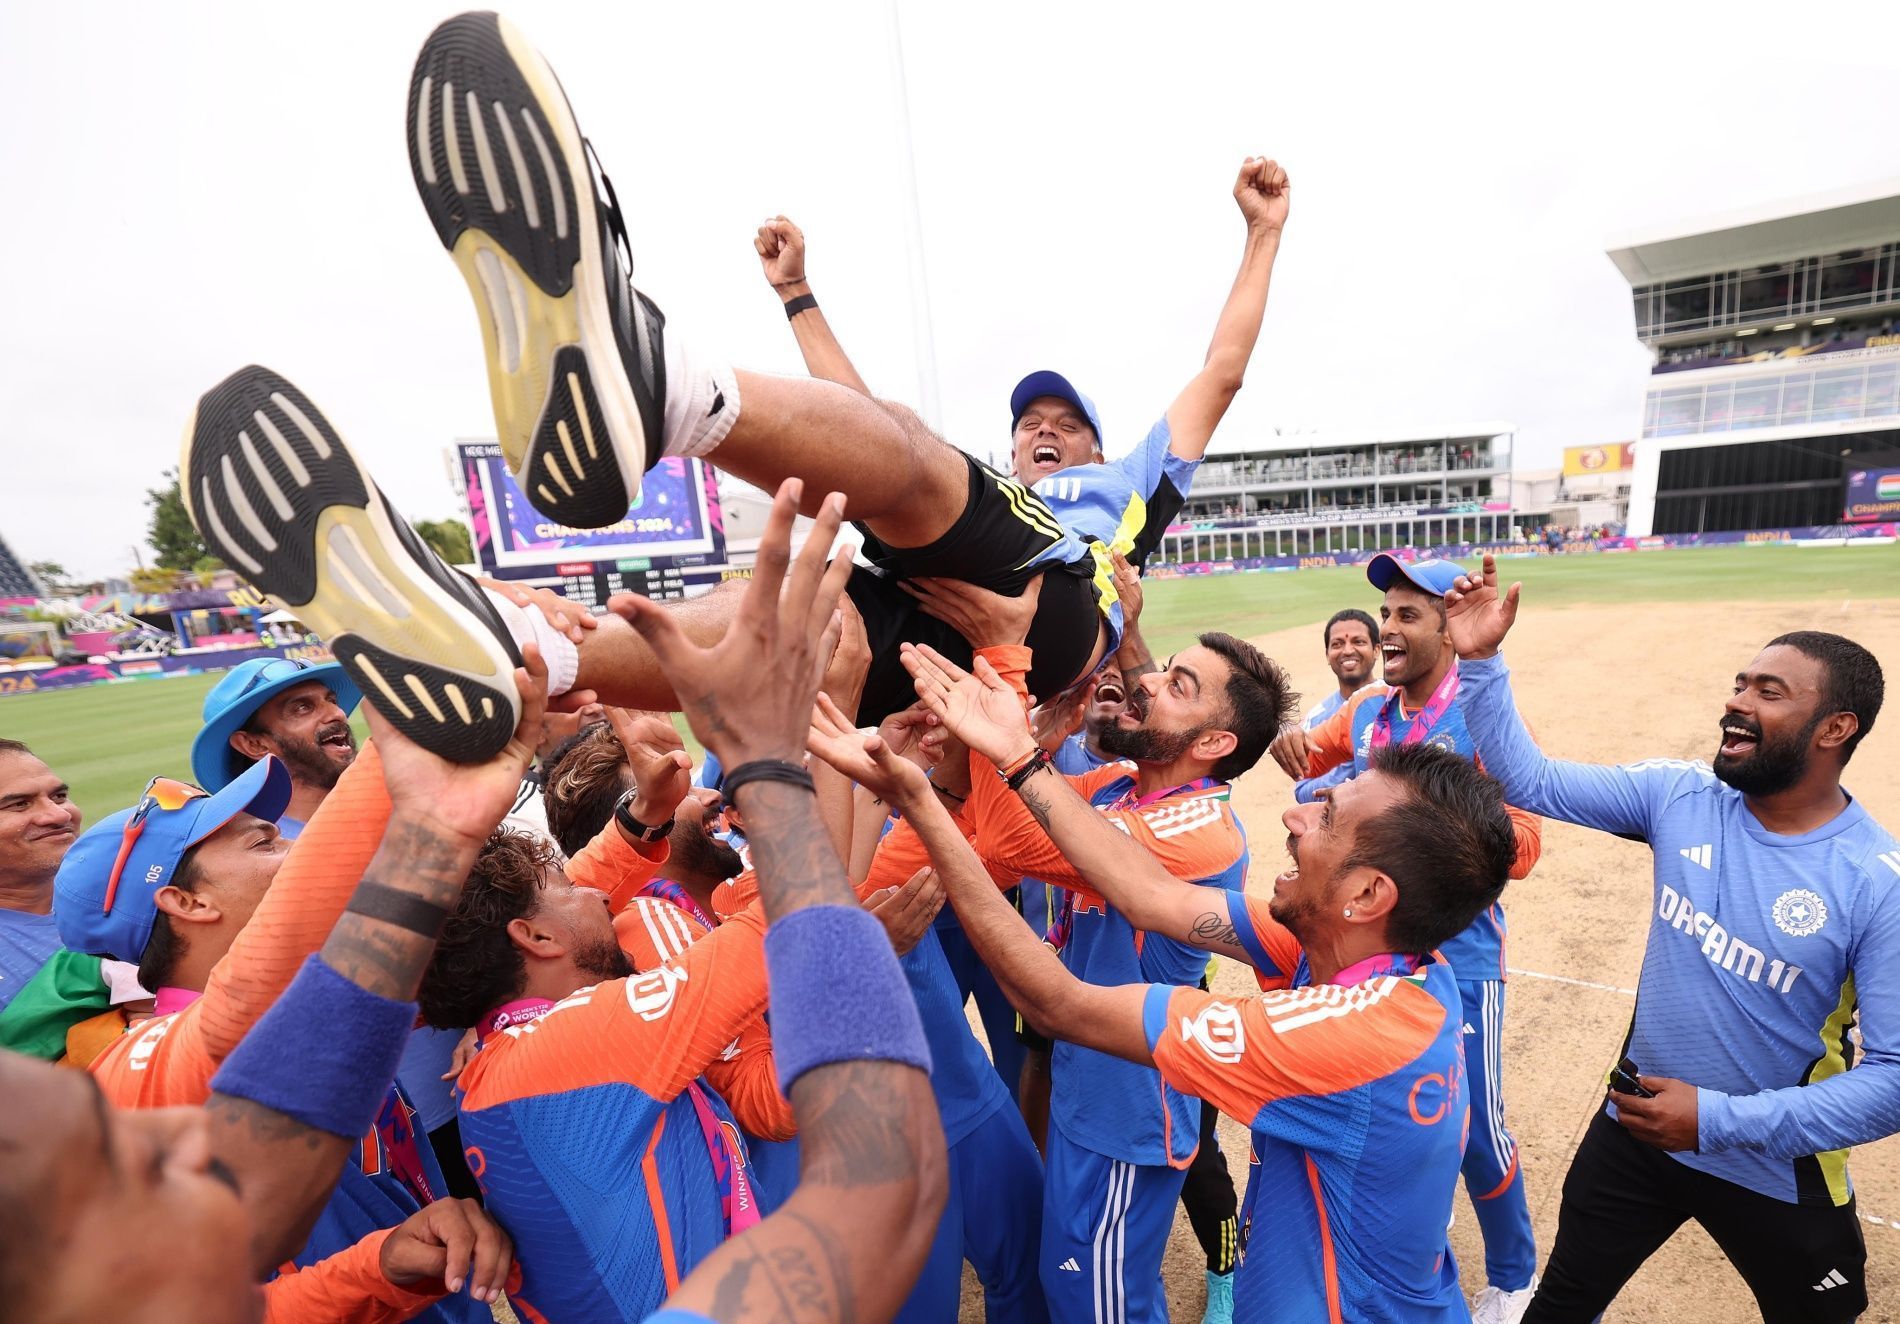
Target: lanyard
[
  {"x": 1428, "y": 716},
  {"x": 729, "y": 1168},
  {"x": 665, "y": 889},
  {"x": 1385, "y": 963},
  {"x": 736, "y": 1200}
]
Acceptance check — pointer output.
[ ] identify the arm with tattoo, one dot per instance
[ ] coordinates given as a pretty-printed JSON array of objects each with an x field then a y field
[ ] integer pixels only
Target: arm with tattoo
[
  {"x": 284, "y": 1166},
  {"x": 1126, "y": 874},
  {"x": 872, "y": 1175},
  {"x": 1030, "y": 973}
]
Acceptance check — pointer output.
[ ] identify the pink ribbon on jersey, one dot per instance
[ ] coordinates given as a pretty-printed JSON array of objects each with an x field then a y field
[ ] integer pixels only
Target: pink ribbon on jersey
[
  {"x": 737, "y": 1202},
  {"x": 1428, "y": 716}
]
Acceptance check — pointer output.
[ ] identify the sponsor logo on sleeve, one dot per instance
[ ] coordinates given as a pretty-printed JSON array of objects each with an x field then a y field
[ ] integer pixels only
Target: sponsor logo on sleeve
[
  {"x": 651, "y": 994},
  {"x": 1216, "y": 1030}
]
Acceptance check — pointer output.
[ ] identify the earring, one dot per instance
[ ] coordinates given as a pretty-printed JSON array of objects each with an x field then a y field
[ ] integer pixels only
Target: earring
[{"x": 1348, "y": 912}]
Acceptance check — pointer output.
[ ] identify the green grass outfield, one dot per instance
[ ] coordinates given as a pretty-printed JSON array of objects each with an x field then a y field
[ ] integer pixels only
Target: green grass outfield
[{"x": 108, "y": 739}]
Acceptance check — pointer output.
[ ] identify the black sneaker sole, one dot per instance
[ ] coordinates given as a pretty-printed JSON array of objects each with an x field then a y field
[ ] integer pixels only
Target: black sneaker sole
[
  {"x": 280, "y": 498},
  {"x": 501, "y": 167}
]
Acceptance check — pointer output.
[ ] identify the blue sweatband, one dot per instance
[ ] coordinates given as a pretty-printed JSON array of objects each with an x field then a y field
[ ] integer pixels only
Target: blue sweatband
[
  {"x": 837, "y": 994},
  {"x": 324, "y": 1054}
]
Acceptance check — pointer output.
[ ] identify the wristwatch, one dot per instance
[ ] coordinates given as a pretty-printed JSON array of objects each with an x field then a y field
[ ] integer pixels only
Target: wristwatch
[{"x": 633, "y": 827}]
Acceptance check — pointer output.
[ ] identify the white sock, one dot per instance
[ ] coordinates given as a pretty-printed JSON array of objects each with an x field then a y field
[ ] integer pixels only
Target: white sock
[
  {"x": 702, "y": 399},
  {"x": 528, "y": 626}
]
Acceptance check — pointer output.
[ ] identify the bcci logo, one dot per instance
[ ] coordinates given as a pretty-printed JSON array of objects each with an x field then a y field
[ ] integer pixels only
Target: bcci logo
[
  {"x": 1218, "y": 1032},
  {"x": 1444, "y": 740},
  {"x": 1799, "y": 913}
]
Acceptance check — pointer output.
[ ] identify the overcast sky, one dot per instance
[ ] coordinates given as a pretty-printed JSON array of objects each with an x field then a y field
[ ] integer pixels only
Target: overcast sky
[{"x": 193, "y": 187}]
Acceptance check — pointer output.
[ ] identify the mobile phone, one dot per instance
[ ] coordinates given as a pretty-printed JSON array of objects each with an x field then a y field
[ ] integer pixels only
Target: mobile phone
[{"x": 1623, "y": 1080}]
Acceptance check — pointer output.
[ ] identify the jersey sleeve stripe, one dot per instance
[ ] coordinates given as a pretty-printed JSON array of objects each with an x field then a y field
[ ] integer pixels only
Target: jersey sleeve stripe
[
  {"x": 1154, "y": 1013},
  {"x": 1249, "y": 937}
]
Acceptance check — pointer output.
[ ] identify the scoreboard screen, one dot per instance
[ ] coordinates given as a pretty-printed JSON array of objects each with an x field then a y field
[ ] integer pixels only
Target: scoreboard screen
[{"x": 670, "y": 543}]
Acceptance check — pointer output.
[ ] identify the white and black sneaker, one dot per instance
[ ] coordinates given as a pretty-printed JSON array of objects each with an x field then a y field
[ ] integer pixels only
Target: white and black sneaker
[
  {"x": 575, "y": 365},
  {"x": 280, "y": 499}
]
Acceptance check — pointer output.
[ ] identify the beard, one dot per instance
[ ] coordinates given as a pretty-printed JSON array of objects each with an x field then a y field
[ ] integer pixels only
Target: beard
[
  {"x": 1294, "y": 914},
  {"x": 1144, "y": 745},
  {"x": 1774, "y": 766},
  {"x": 703, "y": 855},
  {"x": 602, "y": 961},
  {"x": 311, "y": 762}
]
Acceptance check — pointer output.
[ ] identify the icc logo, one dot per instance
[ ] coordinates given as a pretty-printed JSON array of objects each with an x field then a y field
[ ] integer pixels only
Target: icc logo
[
  {"x": 1799, "y": 913},
  {"x": 1217, "y": 1030}
]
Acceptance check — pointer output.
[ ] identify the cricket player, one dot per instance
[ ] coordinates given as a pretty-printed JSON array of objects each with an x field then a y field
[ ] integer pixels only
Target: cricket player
[
  {"x": 1776, "y": 920},
  {"x": 1420, "y": 703},
  {"x": 1352, "y": 642},
  {"x": 1122, "y": 1137},
  {"x": 1350, "y": 1072}
]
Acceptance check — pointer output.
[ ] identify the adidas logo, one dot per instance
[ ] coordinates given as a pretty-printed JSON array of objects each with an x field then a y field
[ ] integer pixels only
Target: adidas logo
[
  {"x": 1832, "y": 1280},
  {"x": 1469, "y": 1028},
  {"x": 1702, "y": 855},
  {"x": 1070, "y": 1266}
]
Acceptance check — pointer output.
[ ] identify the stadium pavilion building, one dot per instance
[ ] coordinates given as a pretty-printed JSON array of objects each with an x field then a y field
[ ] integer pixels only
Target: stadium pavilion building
[
  {"x": 1777, "y": 363},
  {"x": 1319, "y": 494}
]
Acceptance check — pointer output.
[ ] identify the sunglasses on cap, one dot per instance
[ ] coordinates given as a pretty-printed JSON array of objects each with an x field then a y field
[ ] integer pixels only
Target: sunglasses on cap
[{"x": 167, "y": 793}]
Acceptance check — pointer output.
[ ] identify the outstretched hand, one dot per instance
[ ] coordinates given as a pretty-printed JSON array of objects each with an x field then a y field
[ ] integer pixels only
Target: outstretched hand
[
  {"x": 662, "y": 770},
  {"x": 868, "y": 760},
  {"x": 1476, "y": 616},
  {"x": 463, "y": 800},
  {"x": 781, "y": 249},
  {"x": 1054, "y": 722},
  {"x": 749, "y": 696},
  {"x": 984, "y": 617},
  {"x": 979, "y": 707}
]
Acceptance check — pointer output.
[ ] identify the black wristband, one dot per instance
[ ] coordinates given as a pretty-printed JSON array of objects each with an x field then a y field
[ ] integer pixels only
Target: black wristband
[
  {"x": 1037, "y": 762},
  {"x": 765, "y": 770},
  {"x": 644, "y": 833},
  {"x": 374, "y": 900},
  {"x": 803, "y": 303}
]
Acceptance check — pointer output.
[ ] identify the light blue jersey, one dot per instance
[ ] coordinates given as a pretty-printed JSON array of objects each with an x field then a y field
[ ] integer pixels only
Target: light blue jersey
[
  {"x": 1123, "y": 506},
  {"x": 1761, "y": 946},
  {"x": 1307, "y": 789}
]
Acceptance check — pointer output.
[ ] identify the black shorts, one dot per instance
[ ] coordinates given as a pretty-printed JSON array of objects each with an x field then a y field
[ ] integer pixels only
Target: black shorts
[
  {"x": 1003, "y": 527},
  {"x": 1622, "y": 1199}
]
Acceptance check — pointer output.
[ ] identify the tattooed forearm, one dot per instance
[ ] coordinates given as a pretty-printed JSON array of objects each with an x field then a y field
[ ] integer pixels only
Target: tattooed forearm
[
  {"x": 282, "y": 1169},
  {"x": 1213, "y": 927},
  {"x": 792, "y": 850},
  {"x": 244, "y": 1121},
  {"x": 387, "y": 958},
  {"x": 852, "y": 1124},
  {"x": 792, "y": 1268}
]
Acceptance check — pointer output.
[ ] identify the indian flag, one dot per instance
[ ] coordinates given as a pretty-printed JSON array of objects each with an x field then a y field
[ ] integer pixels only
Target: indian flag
[{"x": 1888, "y": 487}]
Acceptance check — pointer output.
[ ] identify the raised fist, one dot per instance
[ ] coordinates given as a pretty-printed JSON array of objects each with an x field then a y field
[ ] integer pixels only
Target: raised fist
[
  {"x": 1262, "y": 191},
  {"x": 781, "y": 249}
]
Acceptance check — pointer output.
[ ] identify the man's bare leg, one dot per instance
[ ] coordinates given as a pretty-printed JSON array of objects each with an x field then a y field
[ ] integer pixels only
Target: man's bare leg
[{"x": 900, "y": 479}]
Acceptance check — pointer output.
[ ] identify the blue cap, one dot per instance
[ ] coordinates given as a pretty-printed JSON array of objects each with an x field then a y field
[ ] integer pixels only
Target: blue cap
[
  {"x": 1434, "y": 576},
  {"x": 79, "y": 888},
  {"x": 242, "y": 691},
  {"x": 1038, "y": 384}
]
